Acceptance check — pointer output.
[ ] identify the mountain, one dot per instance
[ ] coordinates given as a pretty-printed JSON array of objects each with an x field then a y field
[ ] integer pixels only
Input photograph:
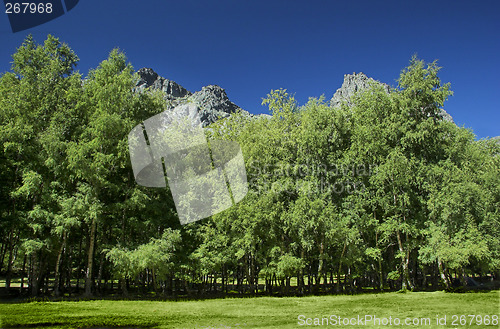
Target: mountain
[
  {"x": 359, "y": 82},
  {"x": 211, "y": 101},
  {"x": 150, "y": 79},
  {"x": 213, "y": 104},
  {"x": 353, "y": 83},
  {"x": 497, "y": 139}
]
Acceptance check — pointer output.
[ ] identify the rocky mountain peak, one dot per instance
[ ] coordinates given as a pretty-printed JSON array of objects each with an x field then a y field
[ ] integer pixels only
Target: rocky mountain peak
[
  {"x": 212, "y": 102},
  {"x": 214, "y": 97},
  {"x": 358, "y": 82},
  {"x": 146, "y": 77},
  {"x": 150, "y": 79},
  {"x": 353, "y": 83}
]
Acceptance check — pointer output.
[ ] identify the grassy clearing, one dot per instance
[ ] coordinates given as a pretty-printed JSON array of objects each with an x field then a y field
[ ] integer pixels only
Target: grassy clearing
[{"x": 263, "y": 312}]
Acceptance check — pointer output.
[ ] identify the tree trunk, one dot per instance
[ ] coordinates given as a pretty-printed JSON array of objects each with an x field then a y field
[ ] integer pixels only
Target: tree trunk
[
  {"x": 424, "y": 277},
  {"x": 23, "y": 273},
  {"x": 340, "y": 265},
  {"x": 380, "y": 270},
  {"x": 153, "y": 280},
  {"x": 3, "y": 251},
  {"x": 101, "y": 287},
  {"x": 69, "y": 271},
  {"x": 123, "y": 285},
  {"x": 57, "y": 291},
  {"x": 442, "y": 273},
  {"x": 320, "y": 263},
  {"x": 33, "y": 282},
  {"x": 300, "y": 277},
  {"x": 37, "y": 273},
  {"x": 224, "y": 285},
  {"x": 90, "y": 261},
  {"x": 8, "y": 275},
  {"x": 406, "y": 283}
]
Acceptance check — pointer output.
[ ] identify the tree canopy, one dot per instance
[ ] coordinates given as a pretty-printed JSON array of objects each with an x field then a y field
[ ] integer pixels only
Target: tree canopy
[{"x": 379, "y": 193}]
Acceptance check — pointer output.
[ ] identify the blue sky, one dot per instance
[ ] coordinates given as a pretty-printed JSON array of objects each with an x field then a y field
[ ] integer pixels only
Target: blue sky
[{"x": 251, "y": 47}]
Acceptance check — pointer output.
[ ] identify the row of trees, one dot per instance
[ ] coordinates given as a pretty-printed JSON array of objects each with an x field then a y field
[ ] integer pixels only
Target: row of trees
[{"x": 382, "y": 193}]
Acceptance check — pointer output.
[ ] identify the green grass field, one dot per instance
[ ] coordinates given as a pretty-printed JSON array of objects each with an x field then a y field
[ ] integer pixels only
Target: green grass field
[{"x": 261, "y": 312}]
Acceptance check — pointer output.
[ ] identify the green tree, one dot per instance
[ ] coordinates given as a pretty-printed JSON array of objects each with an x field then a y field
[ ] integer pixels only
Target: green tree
[{"x": 38, "y": 119}]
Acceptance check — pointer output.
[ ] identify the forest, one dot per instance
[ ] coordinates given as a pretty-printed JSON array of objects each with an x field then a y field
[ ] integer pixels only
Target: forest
[{"x": 377, "y": 194}]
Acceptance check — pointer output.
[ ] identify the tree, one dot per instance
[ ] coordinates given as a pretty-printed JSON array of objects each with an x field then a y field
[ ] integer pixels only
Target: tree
[
  {"x": 37, "y": 121},
  {"x": 377, "y": 192},
  {"x": 100, "y": 157}
]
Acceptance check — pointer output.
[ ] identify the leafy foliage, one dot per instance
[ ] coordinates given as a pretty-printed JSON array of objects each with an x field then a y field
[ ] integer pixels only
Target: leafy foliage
[{"x": 381, "y": 192}]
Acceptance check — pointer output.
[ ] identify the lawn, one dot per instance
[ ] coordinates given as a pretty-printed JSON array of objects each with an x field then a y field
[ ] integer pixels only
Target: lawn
[{"x": 262, "y": 312}]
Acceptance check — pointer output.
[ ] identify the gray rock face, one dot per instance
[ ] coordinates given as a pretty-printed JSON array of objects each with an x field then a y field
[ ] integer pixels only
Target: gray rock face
[
  {"x": 359, "y": 82},
  {"x": 353, "y": 83},
  {"x": 150, "y": 79},
  {"x": 446, "y": 116},
  {"x": 211, "y": 102}
]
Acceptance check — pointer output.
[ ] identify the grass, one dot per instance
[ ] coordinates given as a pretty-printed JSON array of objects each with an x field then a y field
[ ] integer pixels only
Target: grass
[{"x": 260, "y": 312}]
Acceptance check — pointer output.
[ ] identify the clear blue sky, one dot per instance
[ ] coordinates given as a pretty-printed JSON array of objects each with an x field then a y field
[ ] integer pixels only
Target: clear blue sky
[{"x": 251, "y": 47}]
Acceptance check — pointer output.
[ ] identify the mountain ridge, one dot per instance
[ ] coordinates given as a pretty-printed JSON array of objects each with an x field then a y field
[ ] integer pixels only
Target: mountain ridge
[
  {"x": 360, "y": 82},
  {"x": 212, "y": 102}
]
